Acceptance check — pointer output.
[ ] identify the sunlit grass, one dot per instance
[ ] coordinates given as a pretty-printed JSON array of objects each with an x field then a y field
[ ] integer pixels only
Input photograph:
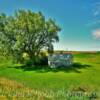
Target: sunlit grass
[{"x": 53, "y": 84}]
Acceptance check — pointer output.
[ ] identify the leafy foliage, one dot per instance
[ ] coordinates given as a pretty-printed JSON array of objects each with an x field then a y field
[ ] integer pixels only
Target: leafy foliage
[{"x": 27, "y": 32}]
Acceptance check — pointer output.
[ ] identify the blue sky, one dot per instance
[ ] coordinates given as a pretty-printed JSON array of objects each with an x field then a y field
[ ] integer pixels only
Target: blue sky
[{"x": 79, "y": 20}]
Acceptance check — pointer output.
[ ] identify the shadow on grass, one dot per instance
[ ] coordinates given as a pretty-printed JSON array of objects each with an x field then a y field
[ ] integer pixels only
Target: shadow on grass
[{"x": 43, "y": 69}]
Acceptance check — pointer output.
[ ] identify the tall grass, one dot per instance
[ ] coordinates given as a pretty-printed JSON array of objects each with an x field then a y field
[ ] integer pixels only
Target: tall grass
[{"x": 11, "y": 90}]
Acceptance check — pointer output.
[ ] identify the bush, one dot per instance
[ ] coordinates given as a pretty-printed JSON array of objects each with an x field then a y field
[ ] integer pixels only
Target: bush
[{"x": 42, "y": 61}]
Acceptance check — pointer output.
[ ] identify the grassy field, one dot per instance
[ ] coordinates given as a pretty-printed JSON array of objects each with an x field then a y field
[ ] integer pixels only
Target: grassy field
[{"x": 78, "y": 82}]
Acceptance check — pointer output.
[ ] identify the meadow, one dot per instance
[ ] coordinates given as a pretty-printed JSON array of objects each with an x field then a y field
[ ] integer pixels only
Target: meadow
[{"x": 78, "y": 82}]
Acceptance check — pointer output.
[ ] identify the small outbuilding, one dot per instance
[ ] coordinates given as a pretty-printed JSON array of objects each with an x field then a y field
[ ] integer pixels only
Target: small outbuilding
[{"x": 60, "y": 60}]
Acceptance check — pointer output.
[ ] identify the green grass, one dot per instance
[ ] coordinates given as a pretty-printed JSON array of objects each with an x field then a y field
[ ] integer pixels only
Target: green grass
[{"x": 82, "y": 76}]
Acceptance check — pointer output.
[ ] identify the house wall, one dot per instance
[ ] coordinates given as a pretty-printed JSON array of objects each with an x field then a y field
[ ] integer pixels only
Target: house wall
[{"x": 60, "y": 60}]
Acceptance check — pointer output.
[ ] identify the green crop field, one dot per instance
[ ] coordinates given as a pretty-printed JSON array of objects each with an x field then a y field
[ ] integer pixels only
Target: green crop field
[{"x": 78, "y": 82}]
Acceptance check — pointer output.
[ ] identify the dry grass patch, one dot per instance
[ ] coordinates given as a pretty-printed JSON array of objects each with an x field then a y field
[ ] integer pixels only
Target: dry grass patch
[{"x": 11, "y": 90}]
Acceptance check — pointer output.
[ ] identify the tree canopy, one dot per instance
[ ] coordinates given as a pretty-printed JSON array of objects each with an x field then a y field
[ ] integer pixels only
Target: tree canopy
[{"x": 27, "y": 32}]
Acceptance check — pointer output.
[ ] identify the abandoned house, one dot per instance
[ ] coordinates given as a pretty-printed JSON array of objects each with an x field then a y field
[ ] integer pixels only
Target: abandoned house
[{"x": 60, "y": 60}]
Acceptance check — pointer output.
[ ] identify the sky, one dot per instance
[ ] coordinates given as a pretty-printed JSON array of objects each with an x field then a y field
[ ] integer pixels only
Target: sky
[{"x": 78, "y": 19}]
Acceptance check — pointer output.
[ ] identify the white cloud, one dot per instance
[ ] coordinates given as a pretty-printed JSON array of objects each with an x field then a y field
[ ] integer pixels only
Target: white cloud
[
  {"x": 96, "y": 33},
  {"x": 96, "y": 9},
  {"x": 96, "y": 13},
  {"x": 93, "y": 23}
]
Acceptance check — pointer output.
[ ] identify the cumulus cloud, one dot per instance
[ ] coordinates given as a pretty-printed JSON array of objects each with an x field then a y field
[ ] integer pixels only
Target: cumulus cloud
[
  {"x": 96, "y": 33},
  {"x": 95, "y": 22}
]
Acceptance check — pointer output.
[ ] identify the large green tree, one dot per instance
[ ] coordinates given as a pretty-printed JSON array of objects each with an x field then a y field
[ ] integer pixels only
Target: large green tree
[{"x": 27, "y": 32}]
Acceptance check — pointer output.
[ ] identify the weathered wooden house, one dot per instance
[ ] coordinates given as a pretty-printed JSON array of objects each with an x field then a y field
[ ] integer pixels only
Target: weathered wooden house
[{"x": 60, "y": 60}]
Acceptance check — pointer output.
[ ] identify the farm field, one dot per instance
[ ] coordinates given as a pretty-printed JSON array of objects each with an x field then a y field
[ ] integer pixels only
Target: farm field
[{"x": 52, "y": 84}]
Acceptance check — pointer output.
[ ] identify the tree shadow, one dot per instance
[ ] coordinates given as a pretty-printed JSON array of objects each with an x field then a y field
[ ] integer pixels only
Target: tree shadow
[{"x": 43, "y": 69}]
